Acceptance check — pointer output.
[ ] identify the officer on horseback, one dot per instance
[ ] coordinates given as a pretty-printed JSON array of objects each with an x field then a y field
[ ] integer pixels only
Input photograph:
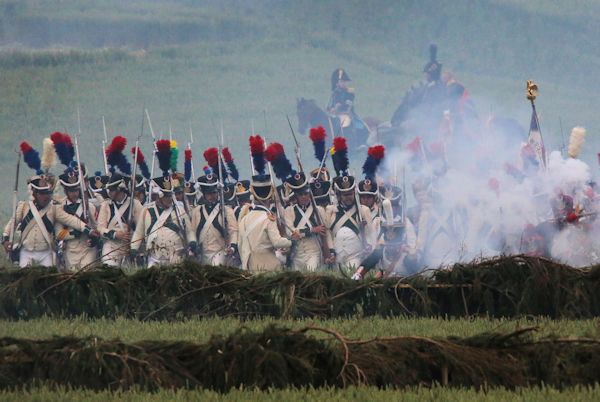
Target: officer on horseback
[{"x": 341, "y": 102}]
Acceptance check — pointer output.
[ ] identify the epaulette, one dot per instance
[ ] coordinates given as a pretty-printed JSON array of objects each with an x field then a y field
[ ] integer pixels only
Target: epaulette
[
  {"x": 350, "y": 90},
  {"x": 271, "y": 216}
]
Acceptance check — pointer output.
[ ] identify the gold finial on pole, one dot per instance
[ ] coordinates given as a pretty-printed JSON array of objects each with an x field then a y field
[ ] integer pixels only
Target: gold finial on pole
[{"x": 531, "y": 90}]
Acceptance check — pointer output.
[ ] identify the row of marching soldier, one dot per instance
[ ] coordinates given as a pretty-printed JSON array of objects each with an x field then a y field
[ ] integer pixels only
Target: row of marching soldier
[{"x": 309, "y": 221}]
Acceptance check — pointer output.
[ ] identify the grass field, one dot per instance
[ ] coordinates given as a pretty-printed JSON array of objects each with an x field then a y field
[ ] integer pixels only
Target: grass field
[
  {"x": 351, "y": 394},
  {"x": 364, "y": 328}
]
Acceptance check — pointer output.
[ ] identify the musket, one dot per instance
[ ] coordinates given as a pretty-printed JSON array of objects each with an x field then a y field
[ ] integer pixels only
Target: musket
[
  {"x": 13, "y": 230},
  {"x": 104, "y": 143},
  {"x": 82, "y": 187},
  {"x": 134, "y": 173},
  {"x": 404, "y": 195},
  {"x": 251, "y": 160},
  {"x": 190, "y": 147},
  {"x": 562, "y": 136},
  {"x": 313, "y": 203},
  {"x": 222, "y": 188},
  {"x": 149, "y": 192}
]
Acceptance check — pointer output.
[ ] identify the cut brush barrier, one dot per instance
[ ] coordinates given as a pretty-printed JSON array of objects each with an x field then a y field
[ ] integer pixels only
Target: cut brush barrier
[
  {"x": 499, "y": 287},
  {"x": 284, "y": 358}
]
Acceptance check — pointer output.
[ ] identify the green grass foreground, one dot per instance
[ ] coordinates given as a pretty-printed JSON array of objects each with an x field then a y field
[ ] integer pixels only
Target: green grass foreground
[
  {"x": 326, "y": 394},
  {"x": 196, "y": 330}
]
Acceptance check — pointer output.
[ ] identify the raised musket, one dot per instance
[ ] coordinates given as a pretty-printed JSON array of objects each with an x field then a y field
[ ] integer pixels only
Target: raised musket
[
  {"x": 82, "y": 186},
  {"x": 149, "y": 191},
  {"x": 313, "y": 203},
  {"x": 133, "y": 175},
  {"x": 104, "y": 143},
  {"x": 15, "y": 203},
  {"x": 221, "y": 186}
]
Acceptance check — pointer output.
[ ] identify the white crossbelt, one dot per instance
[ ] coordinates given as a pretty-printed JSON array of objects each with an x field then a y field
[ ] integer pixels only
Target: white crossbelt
[{"x": 40, "y": 223}]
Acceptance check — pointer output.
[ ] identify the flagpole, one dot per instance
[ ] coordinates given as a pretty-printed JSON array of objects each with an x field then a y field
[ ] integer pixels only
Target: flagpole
[{"x": 531, "y": 94}]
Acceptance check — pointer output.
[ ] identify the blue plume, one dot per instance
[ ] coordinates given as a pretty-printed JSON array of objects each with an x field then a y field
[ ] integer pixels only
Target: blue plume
[
  {"x": 124, "y": 165},
  {"x": 144, "y": 170},
  {"x": 187, "y": 170}
]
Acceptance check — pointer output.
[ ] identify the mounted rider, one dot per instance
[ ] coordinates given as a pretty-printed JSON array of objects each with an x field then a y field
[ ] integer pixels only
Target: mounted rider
[{"x": 341, "y": 102}]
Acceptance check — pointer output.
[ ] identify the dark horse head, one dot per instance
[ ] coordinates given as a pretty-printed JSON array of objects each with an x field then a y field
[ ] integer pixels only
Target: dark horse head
[{"x": 310, "y": 115}]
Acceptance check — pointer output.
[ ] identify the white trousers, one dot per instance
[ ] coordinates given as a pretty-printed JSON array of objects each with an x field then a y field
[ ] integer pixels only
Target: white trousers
[{"x": 30, "y": 258}]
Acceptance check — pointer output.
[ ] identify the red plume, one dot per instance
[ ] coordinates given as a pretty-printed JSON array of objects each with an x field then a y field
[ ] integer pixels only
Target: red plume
[
  {"x": 212, "y": 157},
  {"x": 227, "y": 155},
  {"x": 377, "y": 152},
  {"x": 163, "y": 146},
  {"x": 339, "y": 144},
  {"x": 317, "y": 134},
  {"x": 274, "y": 150},
  {"x": 117, "y": 145},
  {"x": 140, "y": 155},
  {"x": 56, "y": 137},
  {"x": 188, "y": 154},
  {"x": 257, "y": 144},
  {"x": 25, "y": 147}
]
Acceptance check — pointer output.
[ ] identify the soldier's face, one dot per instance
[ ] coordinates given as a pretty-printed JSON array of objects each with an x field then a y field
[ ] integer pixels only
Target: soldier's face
[
  {"x": 367, "y": 200},
  {"x": 42, "y": 199},
  {"x": 165, "y": 201},
  {"x": 73, "y": 195},
  {"x": 179, "y": 196},
  {"x": 347, "y": 198},
  {"x": 303, "y": 199},
  {"x": 116, "y": 195},
  {"x": 211, "y": 198},
  {"x": 140, "y": 196}
]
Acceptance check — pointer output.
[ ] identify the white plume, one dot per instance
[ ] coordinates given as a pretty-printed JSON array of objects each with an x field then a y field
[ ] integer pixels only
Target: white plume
[
  {"x": 576, "y": 141},
  {"x": 48, "y": 154}
]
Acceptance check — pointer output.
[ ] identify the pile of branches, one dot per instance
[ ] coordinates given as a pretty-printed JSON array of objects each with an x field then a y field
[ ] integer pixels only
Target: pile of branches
[
  {"x": 282, "y": 358},
  {"x": 499, "y": 287}
]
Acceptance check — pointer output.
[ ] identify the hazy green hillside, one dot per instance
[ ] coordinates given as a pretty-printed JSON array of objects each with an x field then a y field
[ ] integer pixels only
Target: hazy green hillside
[{"x": 199, "y": 62}]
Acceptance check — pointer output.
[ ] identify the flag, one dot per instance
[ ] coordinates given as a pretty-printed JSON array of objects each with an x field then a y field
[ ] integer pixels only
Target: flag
[{"x": 535, "y": 139}]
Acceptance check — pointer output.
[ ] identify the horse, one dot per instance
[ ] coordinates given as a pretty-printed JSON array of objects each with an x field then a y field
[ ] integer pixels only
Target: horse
[{"x": 311, "y": 115}]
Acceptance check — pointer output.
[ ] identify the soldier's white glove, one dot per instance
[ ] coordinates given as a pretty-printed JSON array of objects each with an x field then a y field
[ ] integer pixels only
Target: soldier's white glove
[{"x": 359, "y": 274}]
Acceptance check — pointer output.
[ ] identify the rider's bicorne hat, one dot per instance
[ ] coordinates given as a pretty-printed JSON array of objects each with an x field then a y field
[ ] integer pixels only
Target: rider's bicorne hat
[
  {"x": 339, "y": 74},
  {"x": 433, "y": 67}
]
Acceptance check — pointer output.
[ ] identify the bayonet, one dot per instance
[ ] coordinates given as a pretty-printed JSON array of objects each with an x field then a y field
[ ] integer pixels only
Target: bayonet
[
  {"x": 149, "y": 192},
  {"x": 82, "y": 186},
  {"x": 104, "y": 144},
  {"x": 134, "y": 172}
]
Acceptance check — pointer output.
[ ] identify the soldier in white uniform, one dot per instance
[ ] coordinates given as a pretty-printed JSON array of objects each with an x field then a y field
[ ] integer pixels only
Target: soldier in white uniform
[
  {"x": 259, "y": 234},
  {"x": 35, "y": 220},
  {"x": 113, "y": 221},
  {"x": 396, "y": 252},
  {"x": 163, "y": 227},
  {"x": 307, "y": 253},
  {"x": 213, "y": 235},
  {"x": 368, "y": 195},
  {"x": 79, "y": 250},
  {"x": 243, "y": 199},
  {"x": 350, "y": 224}
]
